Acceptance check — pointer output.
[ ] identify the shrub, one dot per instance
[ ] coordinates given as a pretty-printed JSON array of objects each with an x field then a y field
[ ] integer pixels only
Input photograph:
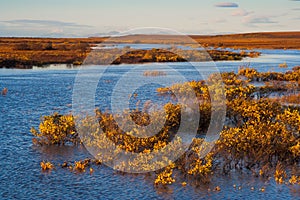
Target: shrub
[{"x": 56, "y": 129}]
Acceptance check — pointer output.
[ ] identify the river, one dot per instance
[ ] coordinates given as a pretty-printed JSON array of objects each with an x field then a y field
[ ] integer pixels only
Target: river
[{"x": 37, "y": 92}]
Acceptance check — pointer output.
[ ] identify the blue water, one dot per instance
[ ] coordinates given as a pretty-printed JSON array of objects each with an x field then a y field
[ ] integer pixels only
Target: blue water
[{"x": 42, "y": 91}]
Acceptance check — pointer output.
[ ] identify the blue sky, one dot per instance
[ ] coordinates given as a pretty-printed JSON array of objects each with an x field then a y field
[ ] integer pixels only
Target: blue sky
[{"x": 68, "y": 18}]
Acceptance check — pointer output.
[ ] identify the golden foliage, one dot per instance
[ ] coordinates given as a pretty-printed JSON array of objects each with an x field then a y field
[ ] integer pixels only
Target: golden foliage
[
  {"x": 46, "y": 165},
  {"x": 260, "y": 133},
  {"x": 56, "y": 129},
  {"x": 280, "y": 174},
  {"x": 165, "y": 177}
]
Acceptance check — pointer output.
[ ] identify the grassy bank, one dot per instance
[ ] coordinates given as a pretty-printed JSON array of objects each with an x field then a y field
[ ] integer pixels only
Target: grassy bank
[{"x": 28, "y": 52}]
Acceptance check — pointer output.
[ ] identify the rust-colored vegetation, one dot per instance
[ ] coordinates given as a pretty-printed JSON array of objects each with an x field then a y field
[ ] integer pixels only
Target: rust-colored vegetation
[
  {"x": 154, "y": 73},
  {"x": 177, "y": 55},
  {"x": 28, "y": 52},
  {"x": 133, "y": 56},
  {"x": 264, "y": 40}
]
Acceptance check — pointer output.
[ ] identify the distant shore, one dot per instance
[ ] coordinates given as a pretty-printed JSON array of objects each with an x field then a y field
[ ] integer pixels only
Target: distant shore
[{"x": 28, "y": 52}]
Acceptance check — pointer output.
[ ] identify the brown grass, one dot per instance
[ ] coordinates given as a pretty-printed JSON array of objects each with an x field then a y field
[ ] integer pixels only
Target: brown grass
[{"x": 28, "y": 52}]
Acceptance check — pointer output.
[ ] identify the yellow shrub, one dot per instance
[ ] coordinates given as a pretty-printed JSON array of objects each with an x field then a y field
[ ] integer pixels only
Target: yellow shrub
[{"x": 56, "y": 129}]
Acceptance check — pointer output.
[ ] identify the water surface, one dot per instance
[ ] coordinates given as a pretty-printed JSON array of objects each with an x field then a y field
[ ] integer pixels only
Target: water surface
[{"x": 42, "y": 91}]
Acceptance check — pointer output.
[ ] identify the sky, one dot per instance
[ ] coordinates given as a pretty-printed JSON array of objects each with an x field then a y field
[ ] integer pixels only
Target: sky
[{"x": 78, "y": 18}]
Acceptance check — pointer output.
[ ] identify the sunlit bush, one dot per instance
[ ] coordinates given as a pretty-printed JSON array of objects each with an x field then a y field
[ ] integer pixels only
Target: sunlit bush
[
  {"x": 56, "y": 129},
  {"x": 46, "y": 165}
]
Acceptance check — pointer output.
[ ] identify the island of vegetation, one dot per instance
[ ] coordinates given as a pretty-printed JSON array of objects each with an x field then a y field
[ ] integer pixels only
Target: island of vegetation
[{"x": 261, "y": 135}]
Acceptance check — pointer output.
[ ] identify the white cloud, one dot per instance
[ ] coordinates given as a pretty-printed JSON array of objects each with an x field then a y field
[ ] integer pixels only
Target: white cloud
[
  {"x": 57, "y": 30},
  {"x": 42, "y": 28}
]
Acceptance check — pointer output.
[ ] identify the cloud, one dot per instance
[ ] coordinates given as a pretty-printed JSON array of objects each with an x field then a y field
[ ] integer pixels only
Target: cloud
[
  {"x": 263, "y": 19},
  {"x": 259, "y": 20},
  {"x": 42, "y": 28},
  {"x": 105, "y": 34},
  {"x": 227, "y": 5},
  {"x": 57, "y": 31},
  {"x": 22, "y": 22},
  {"x": 241, "y": 13}
]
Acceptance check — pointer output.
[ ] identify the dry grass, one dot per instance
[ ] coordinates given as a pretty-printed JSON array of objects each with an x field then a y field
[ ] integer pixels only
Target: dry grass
[{"x": 26, "y": 52}]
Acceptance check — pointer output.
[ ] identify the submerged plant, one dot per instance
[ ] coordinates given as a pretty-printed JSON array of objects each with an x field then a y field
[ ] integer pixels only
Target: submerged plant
[
  {"x": 56, "y": 129},
  {"x": 261, "y": 134},
  {"x": 165, "y": 177},
  {"x": 46, "y": 165}
]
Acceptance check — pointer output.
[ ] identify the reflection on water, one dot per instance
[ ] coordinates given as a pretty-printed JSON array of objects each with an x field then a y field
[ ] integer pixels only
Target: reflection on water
[
  {"x": 56, "y": 67},
  {"x": 42, "y": 91}
]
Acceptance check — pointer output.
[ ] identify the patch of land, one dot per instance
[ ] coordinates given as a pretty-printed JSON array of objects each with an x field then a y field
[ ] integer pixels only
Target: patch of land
[
  {"x": 134, "y": 56},
  {"x": 29, "y": 52},
  {"x": 264, "y": 40}
]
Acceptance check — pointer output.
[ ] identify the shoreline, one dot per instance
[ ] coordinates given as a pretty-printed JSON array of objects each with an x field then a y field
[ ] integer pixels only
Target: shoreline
[{"x": 24, "y": 53}]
